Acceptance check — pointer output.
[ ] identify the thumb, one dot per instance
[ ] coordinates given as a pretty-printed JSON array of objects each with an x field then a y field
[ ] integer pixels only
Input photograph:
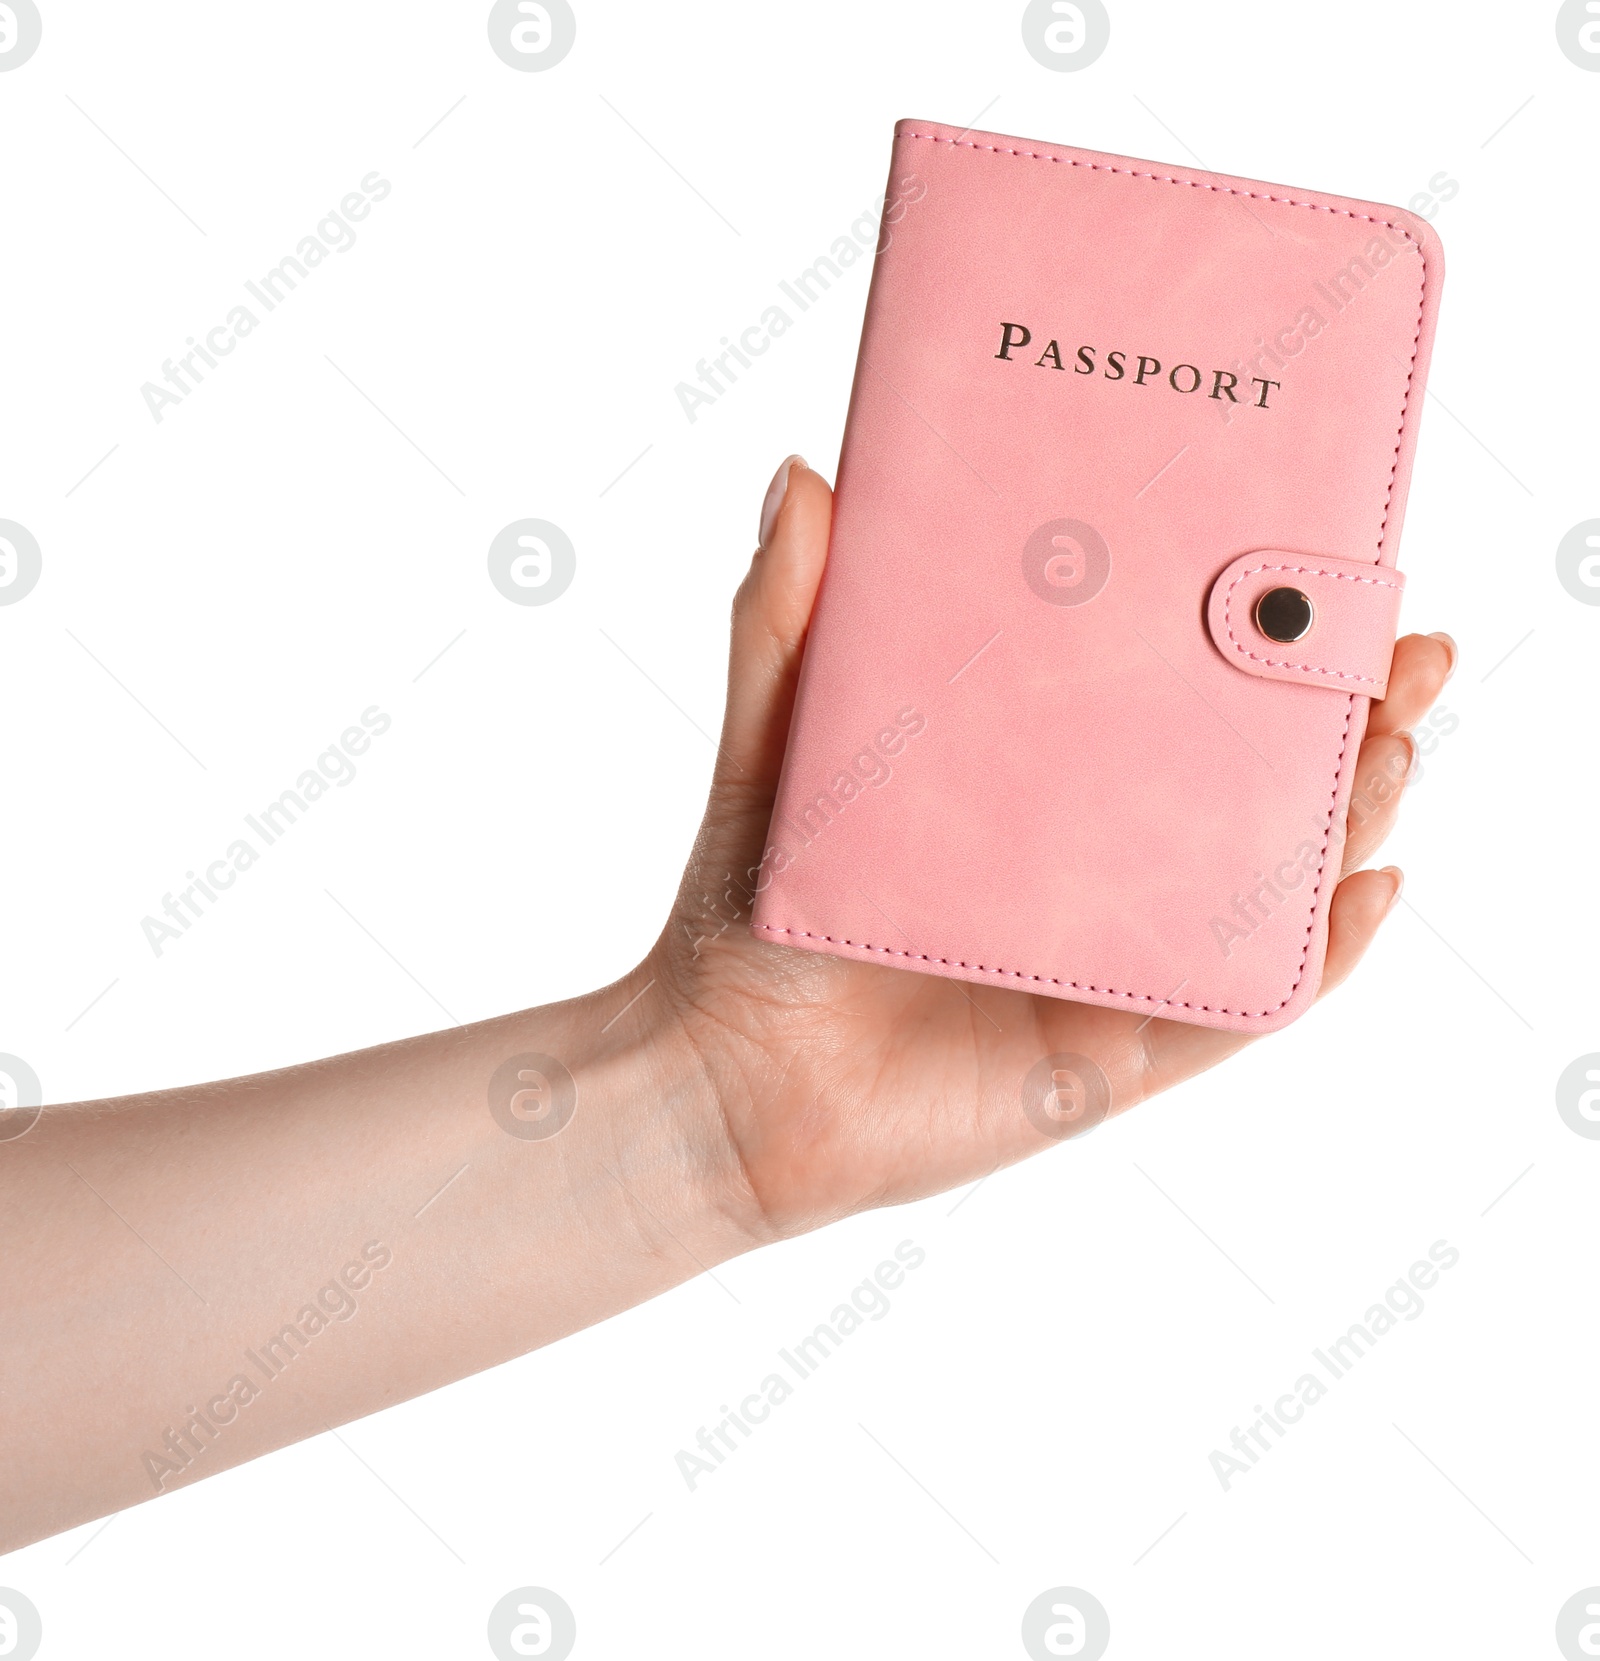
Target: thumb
[{"x": 771, "y": 612}]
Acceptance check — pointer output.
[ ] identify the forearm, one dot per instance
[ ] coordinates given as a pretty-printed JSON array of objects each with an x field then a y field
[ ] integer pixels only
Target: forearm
[{"x": 199, "y": 1276}]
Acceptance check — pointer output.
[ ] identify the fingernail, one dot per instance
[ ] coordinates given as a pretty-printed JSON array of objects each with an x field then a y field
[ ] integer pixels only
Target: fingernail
[
  {"x": 773, "y": 505},
  {"x": 1450, "y": 646},
  {"x": 1398, "y": 878},
  {"x": 1412, "y": 756}
]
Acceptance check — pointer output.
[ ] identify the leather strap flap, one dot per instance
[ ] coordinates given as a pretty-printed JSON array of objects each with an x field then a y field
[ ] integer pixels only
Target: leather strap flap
[{"x": 1345, "y": 615}]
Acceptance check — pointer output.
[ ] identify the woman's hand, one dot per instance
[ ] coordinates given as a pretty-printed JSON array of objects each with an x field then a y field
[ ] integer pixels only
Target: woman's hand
[
  {"x": 845, "y": 1085},
  {"x": 285, "y": 1253}
]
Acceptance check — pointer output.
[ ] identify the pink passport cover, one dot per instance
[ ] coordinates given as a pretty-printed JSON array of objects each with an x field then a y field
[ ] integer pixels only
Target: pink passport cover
[{"x": 1039, "y": 741}]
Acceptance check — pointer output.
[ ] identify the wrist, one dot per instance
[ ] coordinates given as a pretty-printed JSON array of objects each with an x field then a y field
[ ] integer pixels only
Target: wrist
[{"x": 654, "y": 1126}]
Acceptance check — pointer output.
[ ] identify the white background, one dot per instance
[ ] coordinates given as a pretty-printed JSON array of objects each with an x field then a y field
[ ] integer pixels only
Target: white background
[{"x": 275, "y": 556}]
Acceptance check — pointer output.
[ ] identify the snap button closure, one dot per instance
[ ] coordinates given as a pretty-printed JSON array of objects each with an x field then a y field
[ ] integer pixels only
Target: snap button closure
[{"x": 1284, "y": 615}]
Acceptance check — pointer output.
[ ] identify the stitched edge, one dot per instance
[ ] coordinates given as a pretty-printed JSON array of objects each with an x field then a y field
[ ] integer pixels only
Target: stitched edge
[
  {"x": 1015, "y": 974},
  {"x": 1299, "y": 571},
  {"x": 1350, "y": 697},
  {"x": 1170, "y": 179}
]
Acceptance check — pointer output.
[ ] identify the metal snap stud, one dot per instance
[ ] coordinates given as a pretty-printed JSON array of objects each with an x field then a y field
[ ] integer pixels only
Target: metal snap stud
[{"x": 1284, "y": 614}]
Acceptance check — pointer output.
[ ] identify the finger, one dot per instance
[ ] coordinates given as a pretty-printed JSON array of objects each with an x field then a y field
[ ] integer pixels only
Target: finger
[
  {"x": 1360, "y": 904},
  {"x": 770, "y": 615},
  {"x": 1422, "y": 664},
  {"x": 1383, "y": 766},
  {"x": 791, "y": 548}
]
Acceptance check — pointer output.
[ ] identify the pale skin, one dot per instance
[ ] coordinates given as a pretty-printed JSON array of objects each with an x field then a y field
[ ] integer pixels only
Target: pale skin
[{"x": 745, "y": 1093}]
